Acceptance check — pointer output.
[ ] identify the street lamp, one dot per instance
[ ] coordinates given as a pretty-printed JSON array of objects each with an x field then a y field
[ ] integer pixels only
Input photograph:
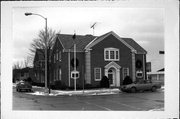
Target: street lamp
[{"x": 27, "y": 14}]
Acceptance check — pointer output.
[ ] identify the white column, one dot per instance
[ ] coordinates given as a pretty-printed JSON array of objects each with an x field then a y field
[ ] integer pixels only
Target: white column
[
  {"x": 133, "y": 67},
  {"x": 88, "y": 66},
  {"x": 117, "y": 77}
]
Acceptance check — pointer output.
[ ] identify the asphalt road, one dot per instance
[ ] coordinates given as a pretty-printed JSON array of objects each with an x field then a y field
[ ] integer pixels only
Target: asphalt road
[{"x": 143, "y": 101}]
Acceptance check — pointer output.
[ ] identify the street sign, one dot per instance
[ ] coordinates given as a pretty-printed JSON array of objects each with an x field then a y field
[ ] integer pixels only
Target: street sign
[{"x": 75, "y": 74}]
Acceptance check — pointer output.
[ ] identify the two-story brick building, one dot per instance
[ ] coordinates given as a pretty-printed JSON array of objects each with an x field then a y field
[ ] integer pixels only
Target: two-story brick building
[{"x": 106, "y": 55}]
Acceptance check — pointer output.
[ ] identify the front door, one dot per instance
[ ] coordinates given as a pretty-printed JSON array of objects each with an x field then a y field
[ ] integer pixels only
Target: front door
[{"x": 111, "y": 76}]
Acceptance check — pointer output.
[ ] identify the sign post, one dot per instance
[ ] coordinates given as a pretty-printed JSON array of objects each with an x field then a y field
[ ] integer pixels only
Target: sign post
[{"x": 75, "y": 75}]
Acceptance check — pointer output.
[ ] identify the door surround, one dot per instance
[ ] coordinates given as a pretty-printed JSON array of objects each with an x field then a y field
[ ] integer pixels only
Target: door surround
[{"x": 116, "y": 67}]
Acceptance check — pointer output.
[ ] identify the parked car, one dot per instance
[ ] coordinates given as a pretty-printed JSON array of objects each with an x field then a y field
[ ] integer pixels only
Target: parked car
[
  {"x": 23, "y": 85},
  {"x": 140, "y": 86}
]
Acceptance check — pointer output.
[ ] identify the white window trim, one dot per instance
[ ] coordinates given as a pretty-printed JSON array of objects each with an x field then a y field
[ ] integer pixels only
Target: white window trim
[
  {"x": 127, "y": 72},
  {"x": 95, "y": 74},
  {"x": 111, "y": 49}
]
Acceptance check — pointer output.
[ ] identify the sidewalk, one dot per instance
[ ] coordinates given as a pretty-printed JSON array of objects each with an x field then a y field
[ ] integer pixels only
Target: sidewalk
[{"x": 103, "y": 91}]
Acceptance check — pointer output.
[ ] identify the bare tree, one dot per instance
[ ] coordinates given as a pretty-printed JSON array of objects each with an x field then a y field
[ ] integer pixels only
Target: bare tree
[
  {"x": 17, "y": 65},
  {"x": 39, "y": 42},
  {"x": 27, "y": 61}
]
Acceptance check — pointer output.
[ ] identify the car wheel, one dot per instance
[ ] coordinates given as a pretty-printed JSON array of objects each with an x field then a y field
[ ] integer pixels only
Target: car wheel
[
  {"x": 133, "y": 90},
  {"x": 153, "y": 89},
  {"x": 17, "y": 90}
]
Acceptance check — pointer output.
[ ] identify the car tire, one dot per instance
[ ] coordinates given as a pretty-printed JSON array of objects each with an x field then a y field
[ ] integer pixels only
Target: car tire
[
  {"x": 133, "y": 90},
  {"x": 17, "y": 90},
  {"x": 153, "y": 89}
]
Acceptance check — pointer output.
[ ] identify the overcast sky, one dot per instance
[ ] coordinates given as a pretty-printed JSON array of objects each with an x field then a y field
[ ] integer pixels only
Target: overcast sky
[{"x": 145, "y": 26}]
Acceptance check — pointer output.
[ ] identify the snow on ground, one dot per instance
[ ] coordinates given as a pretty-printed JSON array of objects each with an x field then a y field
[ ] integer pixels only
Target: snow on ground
[
  {"x": 160, "y": 109},
  {"x": 77, "y": 92},
  {"x": 41, "y": 91}
]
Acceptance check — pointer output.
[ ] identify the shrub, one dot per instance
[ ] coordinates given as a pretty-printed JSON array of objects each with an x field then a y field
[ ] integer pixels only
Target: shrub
[
  {"x": 127, "y": 80},
  {"x": 29, "y": 80},
  {"x": 104, "y": 83}
]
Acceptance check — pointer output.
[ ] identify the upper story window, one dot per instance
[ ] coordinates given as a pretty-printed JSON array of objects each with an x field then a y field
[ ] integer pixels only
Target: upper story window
[
  {"x": 59, "y": 55},
  {"x": 111, "y": 54},
  {"x": 54, "y": 58}
]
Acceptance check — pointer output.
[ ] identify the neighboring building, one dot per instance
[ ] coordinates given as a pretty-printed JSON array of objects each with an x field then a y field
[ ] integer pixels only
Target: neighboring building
[
  {"x": 156, "y": 76},
  {"x": 39, "y": 66},
  {"x": 148, "y": 67},
  {"x": 106, "y": 55},
  {"x": 24, "y": 73}
]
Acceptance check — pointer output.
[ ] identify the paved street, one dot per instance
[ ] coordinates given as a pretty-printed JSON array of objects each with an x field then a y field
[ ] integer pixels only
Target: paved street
[{"x": 143, "y": 101}]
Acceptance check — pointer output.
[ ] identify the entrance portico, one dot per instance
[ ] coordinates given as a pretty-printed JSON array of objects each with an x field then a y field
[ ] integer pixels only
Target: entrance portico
[{"x": 112, "y": 71}]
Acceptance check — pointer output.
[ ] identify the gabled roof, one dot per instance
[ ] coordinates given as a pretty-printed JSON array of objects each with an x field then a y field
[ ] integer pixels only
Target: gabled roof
[
  {"x": 39, "y": 54},
  {"x": 135, "y": 45},
  {"x": 130, "y": 43},
  {"x": 81, "y": 41}
]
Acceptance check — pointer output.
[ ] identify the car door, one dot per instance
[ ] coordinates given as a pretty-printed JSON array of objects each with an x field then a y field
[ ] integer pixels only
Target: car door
[{"x": 139, "y": 86}]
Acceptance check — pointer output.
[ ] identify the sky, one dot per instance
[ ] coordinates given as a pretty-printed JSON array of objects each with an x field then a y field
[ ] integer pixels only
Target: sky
[{"x": 144, "y": 25}]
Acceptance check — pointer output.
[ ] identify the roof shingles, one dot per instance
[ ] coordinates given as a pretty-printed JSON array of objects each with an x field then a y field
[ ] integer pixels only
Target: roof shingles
[{"x": 81, "y": 41}]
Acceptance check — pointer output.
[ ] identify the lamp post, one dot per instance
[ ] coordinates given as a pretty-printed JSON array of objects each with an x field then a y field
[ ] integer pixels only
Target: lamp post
[
  {"x": 74, "y": 37},
  {"x": 27, "y": 14}
]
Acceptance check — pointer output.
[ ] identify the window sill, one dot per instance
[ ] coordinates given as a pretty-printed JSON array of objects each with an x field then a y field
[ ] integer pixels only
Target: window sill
[
  {"x": 97, "y": 79},
  {"x": 111, "y": 59}
]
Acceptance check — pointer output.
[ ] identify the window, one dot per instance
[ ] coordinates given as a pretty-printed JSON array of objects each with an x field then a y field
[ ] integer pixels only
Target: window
[
  {"x": 59, "y": 55},
  {"x": 111, "y": 54},
  {"x": 97, "y": 74},
  {"x": 59, "y": 74},
  {"x": 125, "y": 72},
  {"x": 117, "y": 54},
  {"x": 107, "y": 55},
  {"x": 54, "y": 58},
  {"x": 54, "y": 75}
]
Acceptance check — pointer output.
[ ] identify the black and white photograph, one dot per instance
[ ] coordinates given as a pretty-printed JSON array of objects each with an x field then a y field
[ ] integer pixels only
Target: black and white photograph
[{"x": 110, "y": 59}]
